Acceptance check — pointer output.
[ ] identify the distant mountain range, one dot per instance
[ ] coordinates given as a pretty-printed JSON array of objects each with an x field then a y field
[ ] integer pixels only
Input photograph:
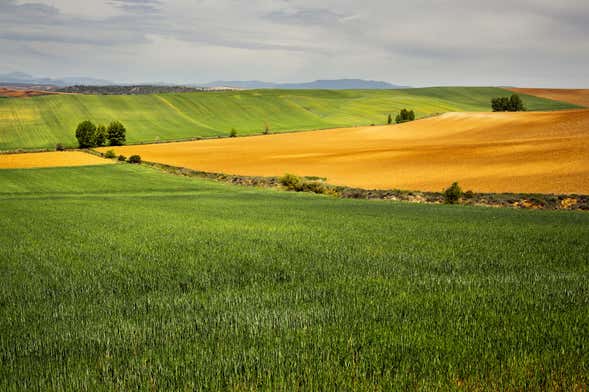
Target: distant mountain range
[
  {"x": 20, "y": 78},
  {"x": 336, "y": 84},
  {"x": 26, "y": 79}
]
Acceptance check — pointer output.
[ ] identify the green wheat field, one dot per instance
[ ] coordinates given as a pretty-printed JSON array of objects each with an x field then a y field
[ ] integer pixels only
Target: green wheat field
[
  {"x": 42, "y": 122},
  {"x": 122, "y": 277}
]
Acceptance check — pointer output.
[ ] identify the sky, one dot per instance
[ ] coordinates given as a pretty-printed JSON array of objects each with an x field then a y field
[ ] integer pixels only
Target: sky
[{"x": 533, "y": 43}]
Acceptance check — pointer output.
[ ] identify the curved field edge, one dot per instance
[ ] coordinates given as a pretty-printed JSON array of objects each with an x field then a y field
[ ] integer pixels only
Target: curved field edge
[
  {"x": 536, "y": 201},
  {"x": 121, "y": 277},
  {"x": 41, "y": 122}
]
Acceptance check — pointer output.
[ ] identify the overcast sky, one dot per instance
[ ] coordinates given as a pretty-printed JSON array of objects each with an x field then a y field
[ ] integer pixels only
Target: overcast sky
[{"x": 419, "y": 43}]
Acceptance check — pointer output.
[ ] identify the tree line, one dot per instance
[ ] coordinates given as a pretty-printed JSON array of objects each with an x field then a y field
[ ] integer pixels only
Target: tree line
[
  {"x": 508, "y": 104},
  {"x": 90, "y": 135},
  {"x": 403, "y": 116}
]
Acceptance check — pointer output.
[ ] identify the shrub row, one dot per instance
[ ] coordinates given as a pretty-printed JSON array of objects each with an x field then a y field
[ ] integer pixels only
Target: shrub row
[{"x": 110, "y": 154}]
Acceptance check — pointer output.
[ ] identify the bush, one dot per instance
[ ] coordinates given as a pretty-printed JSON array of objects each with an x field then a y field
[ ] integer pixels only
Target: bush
[
  {"x": 59, "y": 147},
  {"x": 314, "y": 186},
  {"x": 134, "y": 159},
  {"x": 100, "y": 136},
  {"x": 468, "y": 195},
  {"x": 110, "y": 154},
  {"x": 266, "y": 129},
  {"x": 453, "y": 194},
  {"x": 233, "y": 133},
  {"x": 116, "y": 134},
  {"x": 85, "y": 133},
  {"x": 291, "y": 182},
  {"x": 389, "y": 119},
  {"x": 122, "y": 158},
  {"x": 404, "y": 116}
]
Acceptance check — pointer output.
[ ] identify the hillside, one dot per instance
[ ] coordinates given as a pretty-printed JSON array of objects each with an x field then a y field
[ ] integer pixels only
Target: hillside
[
  {"x": 119, "y": 277},
  {"x": 41, "y": 122},
  {"x": 526, "y": 152},
  {"x": 574, "y": 96}
]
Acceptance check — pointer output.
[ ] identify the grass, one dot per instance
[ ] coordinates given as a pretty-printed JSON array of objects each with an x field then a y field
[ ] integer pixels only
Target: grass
[
  {"x": 41, "y": 122},
  {"x": 122, "y": 277}
]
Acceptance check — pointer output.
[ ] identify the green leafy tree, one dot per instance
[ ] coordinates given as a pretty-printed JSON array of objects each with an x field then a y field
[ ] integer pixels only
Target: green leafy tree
[
  {"x": 404, "y": 116},
  {"x": 508, "y": 104},
  {"x": 516, "y": 104},
  {"x": 86, "y": 134},
  {"x": 389, "y": 119},
  {"x": 100, "y": 136},
  {"x": 233, "y": 133},
  {"x": 453, "y": 194},
  {"x": 116, "y": 133}
]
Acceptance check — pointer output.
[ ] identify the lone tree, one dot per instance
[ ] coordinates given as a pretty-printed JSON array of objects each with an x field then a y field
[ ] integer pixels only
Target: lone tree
[
  {"x": 453, "y": 194},
  {"x": 389, "y": 119},
  {"x": 404, "y": 116},
  {"x": 505, "y": 104},
  {"x": 116, "y": 133},
  {"x": 86, "y": 134},
  {"x": 100, "y": 135}
]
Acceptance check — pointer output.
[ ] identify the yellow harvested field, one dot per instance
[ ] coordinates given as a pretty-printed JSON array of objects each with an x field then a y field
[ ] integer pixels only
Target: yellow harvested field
[
  {"x": 543, "y": 152},
  {"x": 575, "y": 96},
  {"x": 50, "y": 159}
]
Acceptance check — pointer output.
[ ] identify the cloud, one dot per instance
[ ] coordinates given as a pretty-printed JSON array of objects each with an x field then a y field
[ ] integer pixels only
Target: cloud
[{"x": 537, "y": 42}]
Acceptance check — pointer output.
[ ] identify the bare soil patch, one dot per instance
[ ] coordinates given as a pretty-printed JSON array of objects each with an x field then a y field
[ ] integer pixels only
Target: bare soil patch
[
  {"x": 10, "y": 93},
  {"x": 575, "y": 96}
]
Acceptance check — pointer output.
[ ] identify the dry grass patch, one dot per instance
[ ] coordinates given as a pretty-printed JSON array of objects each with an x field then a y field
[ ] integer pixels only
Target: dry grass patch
[{"x": 526, "y": 152}]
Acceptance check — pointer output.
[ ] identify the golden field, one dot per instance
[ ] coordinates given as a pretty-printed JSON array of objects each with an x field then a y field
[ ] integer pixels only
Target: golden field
[
  {"x": 536, "y": 152},
  {"x": 49, "y": 159}
]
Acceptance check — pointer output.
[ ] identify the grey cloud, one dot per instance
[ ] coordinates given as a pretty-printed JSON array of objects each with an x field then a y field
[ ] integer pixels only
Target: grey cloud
[
  {"x": 138, "y": 6},
  {"x": 422, "y": 42}
]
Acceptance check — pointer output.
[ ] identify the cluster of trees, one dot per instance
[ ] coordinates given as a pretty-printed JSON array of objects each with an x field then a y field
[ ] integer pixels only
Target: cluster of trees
[
  {"x": 508, "y": 104},
  {"x": 90, "y": 135},
  {"x": 403, "y": 116}
]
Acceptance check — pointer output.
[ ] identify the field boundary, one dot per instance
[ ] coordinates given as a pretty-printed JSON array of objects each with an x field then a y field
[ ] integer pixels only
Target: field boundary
[{"x": 535, "y": 201}]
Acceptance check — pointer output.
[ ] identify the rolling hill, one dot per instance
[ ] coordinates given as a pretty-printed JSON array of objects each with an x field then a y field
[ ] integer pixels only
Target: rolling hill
[
  {"x": 41, "y": 122},
  {"x": 526, "y": 152}
]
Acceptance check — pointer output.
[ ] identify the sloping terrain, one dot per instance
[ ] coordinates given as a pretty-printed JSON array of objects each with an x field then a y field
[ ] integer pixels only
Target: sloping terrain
[
  {"x": 41, "y": 122},
  {"x": 543, "y": 152},
  {"x": 49, "y": 159},
  {"x": 575, "y": 96}
]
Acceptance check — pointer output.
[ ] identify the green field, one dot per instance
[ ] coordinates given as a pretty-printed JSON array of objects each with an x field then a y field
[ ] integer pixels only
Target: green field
[
  {"x": 41, "y": 122},
  {"x": 124, "y": 278}
]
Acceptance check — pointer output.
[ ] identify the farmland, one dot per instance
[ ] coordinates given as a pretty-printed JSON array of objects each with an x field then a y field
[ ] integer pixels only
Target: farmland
[
  {"x": 122, "y": 277},
  {"x": 527, "y": 152},
  {"x": 49, "y": 159},
  {"x": 41, "y": 122},
  {"x": 575, "y": 96}
]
